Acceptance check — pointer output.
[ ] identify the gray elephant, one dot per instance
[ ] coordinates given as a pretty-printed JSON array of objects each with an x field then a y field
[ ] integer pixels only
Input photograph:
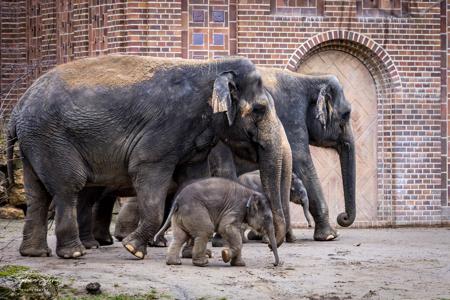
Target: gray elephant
[
  {"x": 314, "y": 111},
  {"x": 128, "y": 122},
  {"x": 127, "y": 219},
  {"x": 217, "y": 205},
  {"x": 298, "y": 192}
]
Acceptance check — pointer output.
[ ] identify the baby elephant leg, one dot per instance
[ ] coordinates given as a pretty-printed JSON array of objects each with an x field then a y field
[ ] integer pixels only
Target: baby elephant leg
[
  {"x": 199, "y": 255},
  {"x": 179, "y": 238},
  {"x": 187, "y": 250},
  {"x": 232, "y": 234}
]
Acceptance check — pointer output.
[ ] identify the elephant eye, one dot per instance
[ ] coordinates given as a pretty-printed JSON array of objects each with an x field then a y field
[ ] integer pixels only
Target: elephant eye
[{"x": 259, "y": 109}]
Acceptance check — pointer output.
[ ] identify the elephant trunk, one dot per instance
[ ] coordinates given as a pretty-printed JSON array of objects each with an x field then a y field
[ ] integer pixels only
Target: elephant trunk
[
  {"x": 273, "y": 244},
  {"x": 270, "y": 172},
  {"x": 346, "y": 152},
  {"x": 286, "y": 177},
  {"x": 275, "y": 163}
]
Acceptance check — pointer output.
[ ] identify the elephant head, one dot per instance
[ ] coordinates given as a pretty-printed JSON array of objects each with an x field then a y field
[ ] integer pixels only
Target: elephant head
[
  {"x": 254, "y": 132},
  {"x": 299, "y": 195},
  {"x": 329, "y": 125},
  {"x": 259, "y": 217}
]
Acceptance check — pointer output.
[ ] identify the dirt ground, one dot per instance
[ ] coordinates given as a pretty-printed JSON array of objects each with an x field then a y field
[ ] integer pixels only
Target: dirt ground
[{"x": 407, "y": 263}]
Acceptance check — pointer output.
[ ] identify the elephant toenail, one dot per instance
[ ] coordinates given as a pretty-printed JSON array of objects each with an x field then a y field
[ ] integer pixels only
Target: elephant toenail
[
  {"x": 330, "y": 237},
  {"x": 139, "y": 254},
  {"x": 129, "y": 248},
  {"x": 76, "y": 254}
]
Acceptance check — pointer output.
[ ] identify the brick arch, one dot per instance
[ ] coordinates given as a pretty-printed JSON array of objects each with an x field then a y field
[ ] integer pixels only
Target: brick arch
[{"x": 388, "y": 91}]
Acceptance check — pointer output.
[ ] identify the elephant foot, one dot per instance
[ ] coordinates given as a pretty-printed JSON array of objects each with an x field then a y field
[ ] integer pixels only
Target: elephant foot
[
  {"x": 290, "y": 237},
  {"x": 173, "y": 261},
  {"x": 218, "y": 241},
  {"x": 90, "y": 243},
  {"x": 325, "y": 233},
  {"x": 187, "y": 252},
  {"x": 200, "y": 262},
  {"x": 31, "y": 251},
  {"x": 209, "y": 253},
  {"x": 104, "y": 239},
  {"x": 70, "y": 252},
  {"x": 105, "y": 242},
  {"x": 120, "y": 236},
  {"x": 161, "y": 242},
  {"x": 135, "y": 247},
  {"x": 237, "y": 262},
  {"x": 254, "y": 236},
  {"x": 226, "y": 255}
]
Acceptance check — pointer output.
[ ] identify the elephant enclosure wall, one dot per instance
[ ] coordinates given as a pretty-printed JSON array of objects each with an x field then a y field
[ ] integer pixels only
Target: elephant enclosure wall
[{"x": 390, "y": 55}]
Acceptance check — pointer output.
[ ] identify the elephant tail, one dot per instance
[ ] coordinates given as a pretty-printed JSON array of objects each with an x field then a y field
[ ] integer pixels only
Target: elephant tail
[
  {"x": 11, "y": 139},
  {"x": 167, "y": 223}
]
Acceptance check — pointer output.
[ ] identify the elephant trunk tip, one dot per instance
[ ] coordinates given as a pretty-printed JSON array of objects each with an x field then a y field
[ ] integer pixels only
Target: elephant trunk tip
[
  {"x": 345, "y": 220},
  {"x": 277, "y": 262}
]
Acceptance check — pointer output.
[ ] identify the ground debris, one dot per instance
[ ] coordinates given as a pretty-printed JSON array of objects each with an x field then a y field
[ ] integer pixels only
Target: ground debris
[
  {"x": 93, "y": 288},
  {"x": 17, "y": 282},
  {"x": 8, "y": 212},
  {"x": 370, "y": 294}
]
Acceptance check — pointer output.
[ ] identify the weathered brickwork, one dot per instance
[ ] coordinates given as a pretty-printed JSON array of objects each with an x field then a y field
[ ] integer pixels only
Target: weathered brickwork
[{"x": 403, "y": 44}]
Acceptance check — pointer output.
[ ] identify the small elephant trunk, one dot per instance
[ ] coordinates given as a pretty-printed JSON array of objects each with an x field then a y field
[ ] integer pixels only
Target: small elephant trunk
[
  {"x": 306, "y": 212},
  {"x": 273, "y": 244}
]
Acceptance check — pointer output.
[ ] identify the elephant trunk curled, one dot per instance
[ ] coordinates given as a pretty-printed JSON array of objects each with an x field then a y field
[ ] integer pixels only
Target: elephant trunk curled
[{"x": 346, "y": 152}]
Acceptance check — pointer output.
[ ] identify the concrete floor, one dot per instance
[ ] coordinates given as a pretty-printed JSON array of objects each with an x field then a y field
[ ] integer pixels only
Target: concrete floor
[{"x": 407, "y": 263}]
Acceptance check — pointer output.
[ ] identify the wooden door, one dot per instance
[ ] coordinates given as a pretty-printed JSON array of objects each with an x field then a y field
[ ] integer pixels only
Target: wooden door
[{"x": 359, "y": 89}]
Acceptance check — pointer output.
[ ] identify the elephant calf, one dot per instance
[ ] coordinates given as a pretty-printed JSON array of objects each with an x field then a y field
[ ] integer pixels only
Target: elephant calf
[
  {"x": 217, "y": 205},
  {"x": 298, "y": 190}
]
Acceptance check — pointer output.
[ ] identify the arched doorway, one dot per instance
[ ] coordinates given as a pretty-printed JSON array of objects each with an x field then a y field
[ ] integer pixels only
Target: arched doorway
[{"x": 359, "y": 88}]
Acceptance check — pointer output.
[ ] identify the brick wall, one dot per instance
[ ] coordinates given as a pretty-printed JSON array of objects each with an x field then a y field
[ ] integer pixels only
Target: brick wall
[{"x": 403, "y": 44}]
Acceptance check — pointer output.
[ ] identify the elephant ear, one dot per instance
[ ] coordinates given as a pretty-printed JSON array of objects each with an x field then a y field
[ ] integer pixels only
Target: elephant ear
[
  {"x": 324, "y": 108},
  {"x": 221, "y": 100}
]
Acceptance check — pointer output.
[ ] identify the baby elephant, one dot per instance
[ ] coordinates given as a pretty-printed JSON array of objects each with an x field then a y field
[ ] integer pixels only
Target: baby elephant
[
  {"x": 217, "y": 205},
  {"x": 298, "y": 190}
]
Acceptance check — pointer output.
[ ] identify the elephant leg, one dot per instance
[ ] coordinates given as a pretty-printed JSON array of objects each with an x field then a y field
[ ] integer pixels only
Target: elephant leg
[
  {"x": 151, "y": 182},
  {"x": 86, "y": 199},
  {"x": 161, "y": 241},
  {"x": 102, "y": 215},
  {"x": 244, "y": 237},
  {"x": 218, "y": 241},
  {"x": 232, "y": 235},
  {"x": 304, "y": 169},
  {"x": 199, "y": 255},
  {"x": 179, "y": 238},
  {"x": 254, "y": 236},
  {"x": 290, "y": 236},
  {"x": 34, "y": 241},
  {"x": 68, "y": 244},
  {"x": 127, "y": 220},
  {"x": 187, "y": 249}
]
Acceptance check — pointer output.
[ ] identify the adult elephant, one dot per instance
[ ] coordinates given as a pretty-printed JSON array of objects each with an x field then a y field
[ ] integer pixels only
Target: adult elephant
[
  {"x": 128, "y": 121},
  {"x": 314, "y": 111}
]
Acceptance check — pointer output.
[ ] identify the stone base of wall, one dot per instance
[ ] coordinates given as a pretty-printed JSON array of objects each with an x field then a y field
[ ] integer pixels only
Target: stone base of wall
[{"x": 446, "y": 215}]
